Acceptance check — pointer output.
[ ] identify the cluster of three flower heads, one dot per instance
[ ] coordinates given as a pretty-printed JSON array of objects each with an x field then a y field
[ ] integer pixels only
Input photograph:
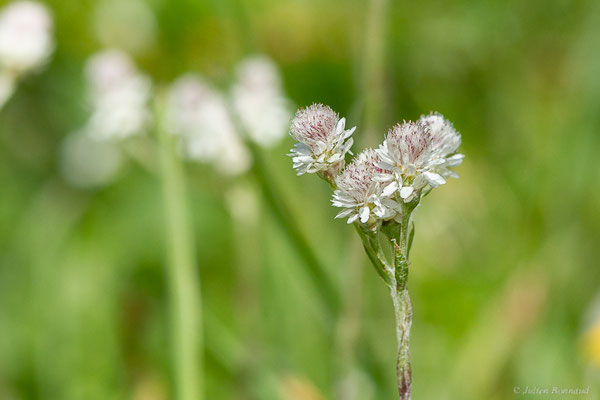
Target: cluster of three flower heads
[{"x": 414, "y": 158}]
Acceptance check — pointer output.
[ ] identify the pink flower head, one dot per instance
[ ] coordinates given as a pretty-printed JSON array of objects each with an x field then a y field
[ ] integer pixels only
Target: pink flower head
[
  {"x": 419, "y": 154},
  {"x": 360, "y": 194},
  {"x": 321, "y": 137}
]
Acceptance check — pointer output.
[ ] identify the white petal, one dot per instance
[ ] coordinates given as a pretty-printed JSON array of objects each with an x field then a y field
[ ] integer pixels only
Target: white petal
[
  {"x": 373, "y": 199},
  {"x": 344, "y": 213},
  {"x": 342, "y": 203},
  {"x": 335, "y": 157},
  {"x": 385, "y": 157},
  {"x": 383, "y": 177},
  {"x": 379, "y": 211},
  {"x": 364, "y": 214},
  {"x": 434, "y": 179},
  {"x": 349, "y": 132},
  {"x": 389, "y": 203},
  {"x": 406, "y": 191},
  {"x": 419, "y": 182},
  {"x": 301, "y": 148},
  {"x": 320, "y": 147},
  {"x": 347, "y": 145},
  {"x": 339, "y": 128},
  {"x": 385, "y": 165},
  {"x": 352, "y": 218},
  {"x": 390, "y": 189},
  {"x": 455, "y": 160}
]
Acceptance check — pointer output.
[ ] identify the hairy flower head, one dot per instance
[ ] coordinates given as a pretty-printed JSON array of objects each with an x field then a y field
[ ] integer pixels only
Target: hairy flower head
[
  {"x": 360, "y": 194},
  {"x": 419, "y": 154},
  {"x": 445, "y": 141},
  {"x": 321, "y": 137},
  {"x": 444, "y": 138}
]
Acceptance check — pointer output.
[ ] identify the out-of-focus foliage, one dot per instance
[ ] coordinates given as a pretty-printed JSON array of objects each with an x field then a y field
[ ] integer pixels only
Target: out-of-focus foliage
[{"x": 505, "y": 260}]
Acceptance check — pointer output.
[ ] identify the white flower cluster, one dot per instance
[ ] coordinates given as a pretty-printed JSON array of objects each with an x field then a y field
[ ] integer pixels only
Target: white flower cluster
[
  {"x": 119, "y": 95},
  {"x": 25, "y": 36},
  {"x": 259, "y": 102},
  {"x": 360, "y": 195},
  {"x": 198, "y": 114},
  {"x": 418, "y": 154},
  {"x": 26, "y": 42},
  {"x": 414, "y": 158},
  {"x": 323, "y": 140}
]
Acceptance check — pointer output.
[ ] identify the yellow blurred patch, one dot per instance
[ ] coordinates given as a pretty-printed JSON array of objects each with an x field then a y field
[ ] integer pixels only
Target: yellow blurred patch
[
  {"x": 293, "y": 387},
  {"x": 591, "y": 344}
]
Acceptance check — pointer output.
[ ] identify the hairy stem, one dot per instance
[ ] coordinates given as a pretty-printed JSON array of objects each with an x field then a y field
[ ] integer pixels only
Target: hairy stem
[
  {"x": 401, "y": 300},
  {"x": 403, "y": 314}
]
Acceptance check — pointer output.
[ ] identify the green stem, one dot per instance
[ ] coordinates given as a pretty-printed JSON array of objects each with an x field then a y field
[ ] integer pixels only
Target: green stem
[
  {"x": 186, "y": 308},
  {"x": 402, "y": 304},
  {"x": 403, "y": 314}
]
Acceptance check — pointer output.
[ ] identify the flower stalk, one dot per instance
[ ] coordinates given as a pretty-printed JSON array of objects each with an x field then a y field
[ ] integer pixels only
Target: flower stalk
[
  {"x": 403, "y": 314},
  {"x": 401, "y": 300}
]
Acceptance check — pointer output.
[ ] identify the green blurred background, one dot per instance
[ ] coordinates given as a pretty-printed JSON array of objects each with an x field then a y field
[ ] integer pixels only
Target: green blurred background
[{"x": 504, "y": 275}]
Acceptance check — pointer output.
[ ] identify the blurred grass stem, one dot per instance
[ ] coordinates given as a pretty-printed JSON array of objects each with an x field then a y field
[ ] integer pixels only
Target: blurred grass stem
[
  {"x": 186, "y": 308},
  {"x": 373, "y": 68},
  {"x": 326, "y": 288}
]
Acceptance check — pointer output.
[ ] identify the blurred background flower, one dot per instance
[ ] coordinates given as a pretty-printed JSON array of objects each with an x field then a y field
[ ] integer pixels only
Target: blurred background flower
[
  {"x": 259, "y": 101},
  {"x": 199, "y": 114},
  {"x": 119, "y": 96},
  {"x": 26, "y": 42}
]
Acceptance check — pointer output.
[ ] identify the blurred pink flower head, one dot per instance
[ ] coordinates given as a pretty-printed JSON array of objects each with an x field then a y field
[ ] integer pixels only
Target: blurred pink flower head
[
  {"x": 360, "y": 194},
  {"x": 259, "y": 102},
  {"x": 198, "y": 114},
  {"x": 25, "y": 36},
  {"x": 119, "y": 95}
]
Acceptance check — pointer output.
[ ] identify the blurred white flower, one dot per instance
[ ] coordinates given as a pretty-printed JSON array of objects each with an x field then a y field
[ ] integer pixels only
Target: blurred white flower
[
  {"x": 126, "y": 24},
  {"x": 322, "y": 139},
  {"x": 418, "y": 154},
  {"x": 360, "y": 195},
  {"x": 119, "y": 95},
  {"x": 87, "y": 162},
  {"x": 25, "y": 36},
  {"x": 198, "y": 114},
  {"x": 25, "y": 42},
  {"x": 259, "y": 102}
]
